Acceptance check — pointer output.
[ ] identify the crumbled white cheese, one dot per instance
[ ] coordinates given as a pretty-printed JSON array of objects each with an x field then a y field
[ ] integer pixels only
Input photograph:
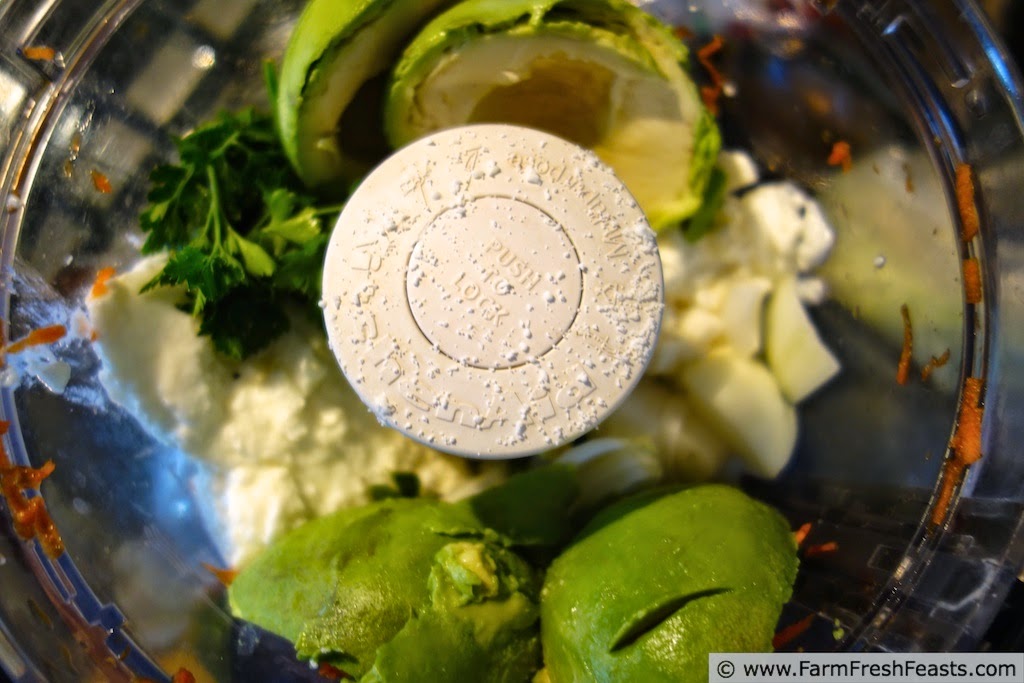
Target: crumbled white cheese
[
  {"x": 291, "y": 439},
  {"x": 739, "y": 168},
  {"x": 717, "y": 289}
]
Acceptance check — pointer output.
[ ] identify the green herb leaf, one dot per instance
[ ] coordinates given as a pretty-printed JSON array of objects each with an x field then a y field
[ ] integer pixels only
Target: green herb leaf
[
  {"x": 296, "y": 226},
  {"x": 301, "y": 270},
  {"x": 176, "y": 203},
  {"x": 244, "y": 321},
  {"x": 258, "y": 262},
  {"x": 210, "y": 275},
  {"x": 245, "y": 240}
]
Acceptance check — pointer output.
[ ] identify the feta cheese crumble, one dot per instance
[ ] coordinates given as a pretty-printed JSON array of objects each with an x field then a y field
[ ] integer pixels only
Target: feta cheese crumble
[
  {"x": 289, "y": 438},
  {"x": 727, "y": 300}
]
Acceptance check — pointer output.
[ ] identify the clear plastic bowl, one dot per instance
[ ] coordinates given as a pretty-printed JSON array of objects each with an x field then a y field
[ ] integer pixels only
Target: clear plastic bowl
[{"x": 916, "y": 88}]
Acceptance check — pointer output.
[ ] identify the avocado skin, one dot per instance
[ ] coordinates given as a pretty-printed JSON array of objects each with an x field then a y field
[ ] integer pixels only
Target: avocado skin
[
  {"x": 685, "y": 138},
  {"x": 721, "y": 562},
  {"x": 321, "y": 47},
  {"x": 615, "y": 23},
  {"x": 396, "y": 588}
]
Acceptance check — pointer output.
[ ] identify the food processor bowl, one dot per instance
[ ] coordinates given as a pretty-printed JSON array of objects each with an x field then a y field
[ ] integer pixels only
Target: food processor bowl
[{"x": 923, "y": 551}]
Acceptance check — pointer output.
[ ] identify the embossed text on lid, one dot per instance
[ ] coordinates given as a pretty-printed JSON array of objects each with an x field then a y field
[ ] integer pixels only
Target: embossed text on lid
[{"x": 492, "y": 291}]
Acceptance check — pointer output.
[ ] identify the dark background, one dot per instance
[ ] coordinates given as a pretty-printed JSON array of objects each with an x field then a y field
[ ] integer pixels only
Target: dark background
[{"x": 1008, "y": 18}]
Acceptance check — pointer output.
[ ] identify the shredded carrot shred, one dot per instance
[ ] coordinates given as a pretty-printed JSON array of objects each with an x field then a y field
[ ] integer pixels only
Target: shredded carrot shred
[
  {"x": 333, "y": 673},
  {"x": 101, "y": 182},
  {"x": 967, "y": 437},
  {"x": 800, "y": 535},
  {"x": 841, "y": 156},
  {"x": 966, "y": 445},
  {"x": 30, "y": 516},
  {"x": 903, "y": 368},
  {"x": 683, "y": 32},
  {"x": 970, "y": 222},
  {"x": 225, "y": 576},
  {"x": 711, "y": 93},
  {"x": 972, "y": 281},
  {"x": 183, "y": 675},
  {"x": 40, "y": 337},
  {"x": 935, "y": 363},
  {"x": 792, "y": 632},
  {"x": 99, "y": 285},
  {"x": 39, "y": 53},
  {"x": 821, "y": 549},
  {"x": 951, "y": 473}
]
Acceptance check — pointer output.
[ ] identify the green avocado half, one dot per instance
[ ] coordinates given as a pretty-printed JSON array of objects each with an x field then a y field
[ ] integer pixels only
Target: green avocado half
[
  {"x": 416, "y": 589},
  {"x": 655, "y": 583},
  {"x": 600, "y": 73},
  {"x": 398, "y": 590},
  {"x": 331, "y": 85}
]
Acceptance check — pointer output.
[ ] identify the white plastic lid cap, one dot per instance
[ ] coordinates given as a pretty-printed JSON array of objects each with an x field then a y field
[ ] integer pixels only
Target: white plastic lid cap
[{"x": 492, "y": 291}]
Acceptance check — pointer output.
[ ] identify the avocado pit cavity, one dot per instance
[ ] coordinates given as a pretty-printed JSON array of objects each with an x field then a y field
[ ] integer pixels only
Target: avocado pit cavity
[{"x": 557, "y": 94}]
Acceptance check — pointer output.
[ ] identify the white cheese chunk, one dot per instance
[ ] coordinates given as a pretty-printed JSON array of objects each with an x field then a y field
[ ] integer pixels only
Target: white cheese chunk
[
  {"x": 800, "y": 360},
  {"x": 290, "y": 438},
  {"x": 741, "y": 398},
  {"x": 740, "y": 169}
]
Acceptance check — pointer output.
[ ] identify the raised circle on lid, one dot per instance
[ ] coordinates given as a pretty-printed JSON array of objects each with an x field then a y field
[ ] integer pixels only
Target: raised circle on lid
[{"x": 492, "y": 291}]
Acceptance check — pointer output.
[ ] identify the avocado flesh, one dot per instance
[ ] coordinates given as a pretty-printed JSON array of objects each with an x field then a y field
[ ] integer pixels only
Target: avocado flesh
[
  {"x": 653, "y": 585},
  {"x": 338, "y": 46},
  {"x": 539, "y": 100},
  {"x": 615, "y": 86}
]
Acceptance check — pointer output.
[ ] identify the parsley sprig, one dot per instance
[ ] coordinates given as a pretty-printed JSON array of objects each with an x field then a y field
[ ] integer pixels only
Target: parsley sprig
[{"x": 244, "y": 239}]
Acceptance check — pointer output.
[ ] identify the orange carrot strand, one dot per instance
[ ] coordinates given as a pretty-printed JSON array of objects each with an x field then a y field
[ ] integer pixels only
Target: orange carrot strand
[
  {"x": 903, "y": 368},
  {"x": 800, "y": 535},
  {"x": 40, "y": 337},
  {"x": 225, "y": 576},
  {"x": 792, "y": 632},
  {"x": 101, "y": 182},
  {"x": 935, "y": 363},
  {"x": 821, "y": 549},
  {"x": 841, "y": 156},
  {"x": 972, "y": 281},
  {"x": 970, "y": 221},
  {"x": 39, "y": 53},
  {"x": 99, "y": 285}
]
